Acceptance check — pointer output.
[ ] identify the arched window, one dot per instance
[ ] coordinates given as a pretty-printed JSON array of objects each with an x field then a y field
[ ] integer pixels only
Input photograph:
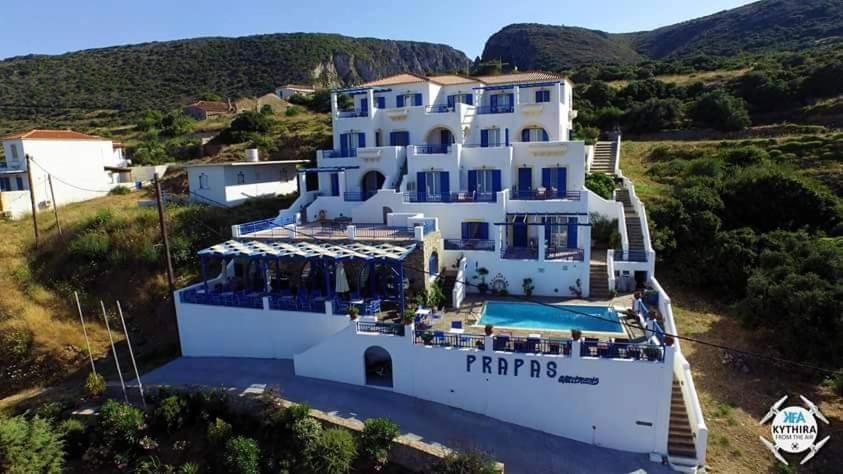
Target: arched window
[
  {"x": 378, "y": 366},
  {"x": 433, "y": 265},
  {"x": 534, "y": 134}
]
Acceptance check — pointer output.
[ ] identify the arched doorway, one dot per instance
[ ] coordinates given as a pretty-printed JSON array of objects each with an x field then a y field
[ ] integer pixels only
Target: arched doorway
[
  {"x": 371, "y": 182},
  {"x": 378, "y": 365},
  {"x": 440, "y": 136},
  {"x": 433, "y": 265},
  {"x": 534, "y": 134}
]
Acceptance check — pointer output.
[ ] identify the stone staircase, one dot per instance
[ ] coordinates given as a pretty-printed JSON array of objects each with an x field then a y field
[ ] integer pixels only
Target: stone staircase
[
  {"x": 637, "y": 251},
  {"x": 604, "y": 157},
  {"x": 598, "y": 281},
  {"x": 680, "y": 438}
]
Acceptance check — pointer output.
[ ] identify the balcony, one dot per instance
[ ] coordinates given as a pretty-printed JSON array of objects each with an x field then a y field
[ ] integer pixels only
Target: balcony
[
  {"x": 353, "y": 113},
  {"x": 439, "y": 109},
  {"x": 470, "y": 244},
  {"x": 495, "y": 109},
  {"x": 355, "y": 196},
  {"x": 432, "y": 149},
  {"x": 350, "y": 153},
  {"x": 544, "y": 194},
  {"x": 465, "y": 196},
  {"x": 519, "y": 253},
  {"x": 566, "y": 254}
]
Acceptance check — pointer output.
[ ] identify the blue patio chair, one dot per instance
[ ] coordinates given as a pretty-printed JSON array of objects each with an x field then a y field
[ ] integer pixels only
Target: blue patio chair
[
  {"x": 456, "y": 324},
  {"x": 532, "y": 344},
  {"x": 439, "y": 337},
  {"x": 373, "y": 306},
  {"x": 500, "y": 343}
]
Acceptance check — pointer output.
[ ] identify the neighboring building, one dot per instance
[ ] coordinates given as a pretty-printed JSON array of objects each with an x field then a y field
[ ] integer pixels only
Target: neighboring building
[
  {"x": 288, "y": 90},
  {"x": 204, "y": 109},
  {"x": 473, "y": 183},
  {"x": 83, "y": 167},
  {"x": 230, "y": 184}
]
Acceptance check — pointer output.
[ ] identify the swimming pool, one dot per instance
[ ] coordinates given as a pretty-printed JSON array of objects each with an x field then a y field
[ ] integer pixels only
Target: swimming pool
[{"x": 555, "y": 318}]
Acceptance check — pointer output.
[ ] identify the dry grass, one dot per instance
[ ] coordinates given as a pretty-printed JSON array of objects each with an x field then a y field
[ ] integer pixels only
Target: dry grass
[{"x": 706, "y": 77}]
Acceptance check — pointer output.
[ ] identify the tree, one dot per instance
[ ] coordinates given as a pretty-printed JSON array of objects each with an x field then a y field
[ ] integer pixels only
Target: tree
[
  {"x": 29, "y": 445},
  {"x": 376, "y": 440},
  {"x": 654, "y": 115},
  {"x": 335, "y": 452},
  {"x": 599, "y": 93},
  {"x": 721, "y": 111}
]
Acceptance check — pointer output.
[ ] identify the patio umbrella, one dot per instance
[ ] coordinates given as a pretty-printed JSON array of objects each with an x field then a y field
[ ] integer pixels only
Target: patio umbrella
[{"x": 341, "y": 284}]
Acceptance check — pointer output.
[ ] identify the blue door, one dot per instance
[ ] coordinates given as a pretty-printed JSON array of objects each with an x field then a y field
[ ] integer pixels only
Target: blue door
[
  {"x": 445, "y": 186},
  {"x": 364, "y": 106},
  {"x": 525, "y": 182},
  {"x": 519, "y": 235},
  {"x": 335, "y": 184},
  {"x": 572, "y": 232},
  {"x": 421, "y": 186},
  {"x": 562, "y": 182}
]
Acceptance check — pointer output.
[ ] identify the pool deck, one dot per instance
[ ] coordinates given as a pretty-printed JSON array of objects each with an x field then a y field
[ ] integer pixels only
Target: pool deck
[{"x": 470, "y": 311}]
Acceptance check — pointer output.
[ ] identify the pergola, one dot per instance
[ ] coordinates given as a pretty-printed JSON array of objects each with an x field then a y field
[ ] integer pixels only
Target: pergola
[{"x": 324, "y": 254}]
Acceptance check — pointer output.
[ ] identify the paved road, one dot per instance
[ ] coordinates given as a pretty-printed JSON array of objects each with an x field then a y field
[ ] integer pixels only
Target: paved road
[{"x": 522, "y": 450}]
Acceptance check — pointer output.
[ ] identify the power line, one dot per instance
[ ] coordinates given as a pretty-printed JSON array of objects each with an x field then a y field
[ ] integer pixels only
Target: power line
[{"x": 66, "y": 182}]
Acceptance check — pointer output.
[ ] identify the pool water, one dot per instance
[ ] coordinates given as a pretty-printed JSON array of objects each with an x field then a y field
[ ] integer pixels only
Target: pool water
[{"x": 550, "y": 318}]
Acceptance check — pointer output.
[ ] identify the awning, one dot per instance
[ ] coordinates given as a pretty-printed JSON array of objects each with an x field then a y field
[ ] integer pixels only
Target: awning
[{"x": 307, "y": 250}]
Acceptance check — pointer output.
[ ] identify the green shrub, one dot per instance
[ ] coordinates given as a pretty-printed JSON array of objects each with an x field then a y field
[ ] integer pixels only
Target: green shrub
[
  {"x": 720, "y": 110},
  {"x": 51, "y": 410},
  {"x": 305, "y": 436},
  {"x": 837, "y": 383},
  {"x": 218, "y": 432},
  {"x": 94, "y": 385},
  {"x": 75, "y": 436},
  {"x": 29, "y": 446},
  {"x": 605, "y": 231},
  {"x": 189, "y": 468},
  {"x": 91, "y": 245},
  {"x": 119, "y": 191},
  {"x": 15, "y": 344},
  {"x": 292, "y": 111},
  {"x": 376, "y": 440},
  {"x": 335, "y": 452},
  {"x": 170, "y": 413},
  {"x": 601, "y": 184},
  {"x": 120, "y": 423},
  {"x": 241, "y": 456},
  {"x": 473, "y": 462}
]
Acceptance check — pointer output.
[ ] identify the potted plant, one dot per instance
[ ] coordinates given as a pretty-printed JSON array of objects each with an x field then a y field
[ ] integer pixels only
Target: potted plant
[
  {"x": 408, "y": 317},
  {"x": 482, "y": 287},
  {"x": 435, "y": 297},
  {"x": 576, "y": 334},
  {"x": 528, "y": 287},
  {"x": 353, "y": 311},
  {"x": 427, "y": 337},
  {"x": 489, "y": 329}
]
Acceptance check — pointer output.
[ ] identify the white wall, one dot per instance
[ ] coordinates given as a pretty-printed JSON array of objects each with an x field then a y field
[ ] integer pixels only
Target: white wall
[
  {"x": 223, "y": 187},
  {"x": 615, "y": 413}
]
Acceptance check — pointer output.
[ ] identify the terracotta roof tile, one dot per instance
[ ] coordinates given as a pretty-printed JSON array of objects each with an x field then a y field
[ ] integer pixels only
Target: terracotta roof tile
[
  {"x": 451, "y": 79},
  {"x": 405, "y": 78},
  {"x": 520, "y": 77},
  {"x": 52, "y": 135}
]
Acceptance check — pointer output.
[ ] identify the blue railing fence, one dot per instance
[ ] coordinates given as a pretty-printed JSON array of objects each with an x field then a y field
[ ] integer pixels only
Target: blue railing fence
[
  {"x": 433, "y": 149},
  {"x": 535, "y": 195},
  {"x": 380, "y": 328},
  {"x": 469, "y": 244}
]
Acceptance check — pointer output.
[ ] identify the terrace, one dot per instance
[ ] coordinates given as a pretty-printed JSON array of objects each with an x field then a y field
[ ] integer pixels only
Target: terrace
[{"x": 337, "y": 229}]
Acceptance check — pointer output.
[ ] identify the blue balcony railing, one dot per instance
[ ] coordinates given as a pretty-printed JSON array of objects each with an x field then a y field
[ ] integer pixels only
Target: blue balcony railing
[
  {"x": 622, "y": 350},
  {"x": 532, "y": 345},
  {"x": 543, "y": 195},
  {"x": 560, "y": 253},
  {"x": 495, "y": 109},
  {"x": 438, "y": 109},
  {"x": 443, "y": 339},
  {"x": 382, "y": 232},
  {"x": 380, "y": 328},
  {"x": 353, "y": 113},
  {"x": 630, "y": 256},
  {"x": 469, "y": 244},
  {"x": 233, "y": 299},
  {"x": 350, "y": 153},
  {"x": 256, "y": 226},
  {"x": 358, "y": 196},
  {"x": 432, "y": 149},
  {"x": 465, "y": 196},
  {"x": 292, "y": 303},
  {"x": 519, "y": 253}
]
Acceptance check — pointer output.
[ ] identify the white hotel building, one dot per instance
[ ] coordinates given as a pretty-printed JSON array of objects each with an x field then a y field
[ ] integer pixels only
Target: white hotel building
[{"x": 475, "y": 183}]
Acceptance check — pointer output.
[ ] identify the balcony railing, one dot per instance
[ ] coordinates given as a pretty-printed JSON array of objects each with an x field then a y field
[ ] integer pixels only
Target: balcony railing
[
  {"x": 469, "y": 244},
  {"x": 358, "y": 196},
  {"x": 432, "y": 149},
  {"x": 631, "y": 256},
  {"x": 622, "y": 350},
  {"x": 519, "y": 253},
  {"x": 350, "y": 153},
  {"x": 532, "y": 345},
  {"x": 544, "y": 194},
  {"x": 233, "y": 299},
  {"x": 495, "y": 109},
  {"x": 380, "y": 328},
  {"x": 382, "y": 232},
  {"x": 353, "y": 113},
  {"x": 559, "y": 253},
  {"x": 292, "y": 303},
  {"x": 256, "y": 226},
  {"x": 464, "y": 196},
  {"x": 438, "y": 109},
  {"x": 443, "y": 339}
]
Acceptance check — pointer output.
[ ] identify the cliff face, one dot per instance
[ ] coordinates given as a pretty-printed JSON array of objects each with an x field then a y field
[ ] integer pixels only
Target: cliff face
[{"x": 166, "y": 73}]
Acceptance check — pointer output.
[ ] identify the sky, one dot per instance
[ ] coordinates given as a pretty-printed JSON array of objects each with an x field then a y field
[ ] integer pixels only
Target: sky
[{"x": 59, "y": 26}]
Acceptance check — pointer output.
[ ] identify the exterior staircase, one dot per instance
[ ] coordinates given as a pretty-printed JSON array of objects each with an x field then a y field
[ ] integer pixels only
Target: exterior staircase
[
  {"x": 680, "y": 439},
  {"x": 604, "y": 157},
  {"x": 637, "y": 252},
  {"x": 449, "y": 279},
  {"x": 598, "y": 281},
  {"x": 401, "y": 175}
]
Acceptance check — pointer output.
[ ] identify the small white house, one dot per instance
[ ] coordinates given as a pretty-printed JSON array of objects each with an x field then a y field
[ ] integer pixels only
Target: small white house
[
  {"x": 288, "y": 90},
  {"x": 230, "y": 184},
  {"x": 82, "y": 167}
]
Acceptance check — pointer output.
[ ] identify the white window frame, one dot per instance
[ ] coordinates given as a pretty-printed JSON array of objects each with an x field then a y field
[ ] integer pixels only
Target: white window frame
[
  {"x": 433, "y": 183},
  {"x": 485, "y": 181},
  {"x": 494, "y": 137}
]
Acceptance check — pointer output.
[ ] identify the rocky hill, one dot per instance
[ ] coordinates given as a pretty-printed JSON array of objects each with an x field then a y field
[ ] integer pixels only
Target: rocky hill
[
  {"x": 161, "y": 74},
  {"x": 764, "y": 26}
]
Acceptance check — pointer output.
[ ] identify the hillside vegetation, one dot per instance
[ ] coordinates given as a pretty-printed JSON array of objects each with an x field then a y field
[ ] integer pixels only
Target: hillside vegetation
[
  {"x": 761, "y": 27},
  {"x": 160, "y": 74}
]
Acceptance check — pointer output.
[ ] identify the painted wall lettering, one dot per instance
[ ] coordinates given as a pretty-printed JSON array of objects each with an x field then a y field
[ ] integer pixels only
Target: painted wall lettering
[
  {"x": 550, "y": 370},
  {"x": 518, "y": 364},
  {"x": 487, "y": 365},
  {"x": 468, "y": 361},
  {"x": 502, "y": 365}
]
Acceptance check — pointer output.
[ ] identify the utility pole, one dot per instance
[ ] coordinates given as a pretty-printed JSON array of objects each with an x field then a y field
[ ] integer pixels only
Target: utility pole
[
  {"x": 171, "y": 281},
  {"x": 32, "y": 198},
  {"x": 53, "y": 198}
]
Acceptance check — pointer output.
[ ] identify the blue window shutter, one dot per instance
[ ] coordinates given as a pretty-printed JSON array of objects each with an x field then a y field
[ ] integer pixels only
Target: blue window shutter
[
  {"x": 451, "y": 101},
  {"x": 484, "y": 230},
  {"x": 562, "y": 180},
  {"x": 344, "y": 141},
  {"x": 361, "y": 140},
  {"x": 405, "y": 138},
  {"x": 484, "y": 137},
  {"x": 544, "y": 135},
  {"x": 421, "y": 186},
  {"x": 418, "y": 99},
  {"x": 511, "y": 100},
  {"x": 493, "y": 102},
  {"x": 472, "y": 181},
  {"x": 546, "y": 177},
  {"x": 445, "y": 185},
  {"x": 572, "y": 232},
  {"x": 335, "y": 184},
  {"x": 496, "y": 180},
  {"x": 525, "y": 135},
  {"x": 381, "y": 102},
  {"x": 506, "y": 136},
  {"x": 399, "y": 101},
  {"x": 464, "y": 231},
  {"x": 469, "y": 99},
  {"x": 364, "y": 105},
  {"x": 393, "y": 138},
  {"x": 539, "y": 96}
]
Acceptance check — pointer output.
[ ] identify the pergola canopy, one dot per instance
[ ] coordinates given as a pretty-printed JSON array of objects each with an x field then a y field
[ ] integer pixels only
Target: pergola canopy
[{"x": 308, "y": 250}]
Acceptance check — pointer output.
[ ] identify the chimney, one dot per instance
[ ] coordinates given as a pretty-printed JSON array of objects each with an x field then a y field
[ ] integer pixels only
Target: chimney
[{"x": 252, "y": 155}]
